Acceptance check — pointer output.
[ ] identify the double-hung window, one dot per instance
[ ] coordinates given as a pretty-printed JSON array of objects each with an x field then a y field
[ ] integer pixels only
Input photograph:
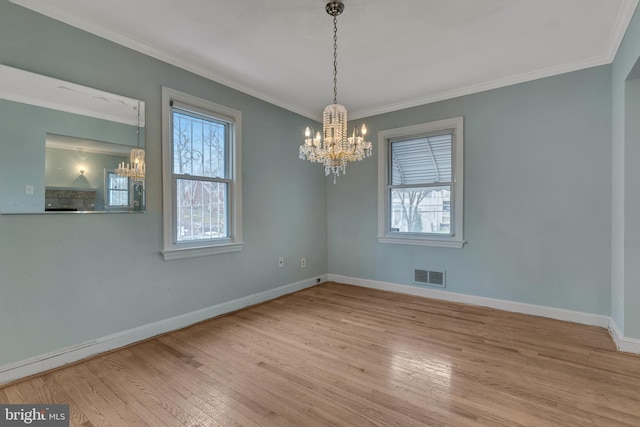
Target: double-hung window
[
  {"x": 420, "y": 185},
  {"x": 201, "y": 177}
]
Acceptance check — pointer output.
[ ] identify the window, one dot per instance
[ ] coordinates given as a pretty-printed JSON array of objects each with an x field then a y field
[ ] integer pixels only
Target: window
[
  {"x": 201, "y": 177},
  {"x": 420, "y": 185},
  {"x": 117, "y": 194}
]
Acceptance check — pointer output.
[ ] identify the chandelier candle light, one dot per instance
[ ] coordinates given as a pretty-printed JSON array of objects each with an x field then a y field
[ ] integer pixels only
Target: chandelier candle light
[
  {"x": 134, "y": 170},
  {"x": 335, "y": 147}
]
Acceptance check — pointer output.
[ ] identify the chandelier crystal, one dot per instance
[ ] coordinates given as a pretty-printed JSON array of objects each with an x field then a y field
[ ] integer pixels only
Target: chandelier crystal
[
  {"x": 335, "y": 147},
  {"x": 135, "y": 169}
]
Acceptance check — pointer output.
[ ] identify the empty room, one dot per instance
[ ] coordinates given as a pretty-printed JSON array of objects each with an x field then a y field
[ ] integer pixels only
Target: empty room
[{"x": 331, "y": 213}]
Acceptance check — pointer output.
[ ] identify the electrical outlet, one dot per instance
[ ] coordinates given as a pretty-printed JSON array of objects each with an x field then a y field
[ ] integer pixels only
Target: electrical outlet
[
  {"x": 303, "y": 263},
  {"x": 29, "y": 190},
  {"x": 281, "y": 262}
]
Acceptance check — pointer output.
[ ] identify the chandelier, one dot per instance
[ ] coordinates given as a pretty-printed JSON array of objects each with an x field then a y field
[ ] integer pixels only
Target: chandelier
[
  {"x": 135, "y": 169},
  {"x": 335, "y": 147}
]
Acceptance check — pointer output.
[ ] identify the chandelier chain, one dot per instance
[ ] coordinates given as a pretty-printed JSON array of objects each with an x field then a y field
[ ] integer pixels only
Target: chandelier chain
[
  {"x": 334, "y": 147},
  {"x": 335, "y": 59}
]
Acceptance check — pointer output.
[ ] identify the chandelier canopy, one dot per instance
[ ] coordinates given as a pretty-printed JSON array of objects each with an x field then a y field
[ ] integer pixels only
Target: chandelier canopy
[{"x": 334, "y": 148}]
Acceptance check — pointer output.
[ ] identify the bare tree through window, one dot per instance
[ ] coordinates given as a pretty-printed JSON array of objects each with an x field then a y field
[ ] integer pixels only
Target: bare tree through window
[{"x": 200, "y": 163}]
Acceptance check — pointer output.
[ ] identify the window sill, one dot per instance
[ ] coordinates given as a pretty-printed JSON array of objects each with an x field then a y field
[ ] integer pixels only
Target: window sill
[
  {"x": 433, "y": 242},
  {"x": 201, "y": 251}
]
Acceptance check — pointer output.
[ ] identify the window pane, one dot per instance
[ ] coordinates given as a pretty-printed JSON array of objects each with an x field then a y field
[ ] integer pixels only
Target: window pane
[
  {"x": 198, "y": 146},
  {"x": 201, "y": 210},
  {"x": 421, "y": 160},
  {"x": 421, "y": 210}
]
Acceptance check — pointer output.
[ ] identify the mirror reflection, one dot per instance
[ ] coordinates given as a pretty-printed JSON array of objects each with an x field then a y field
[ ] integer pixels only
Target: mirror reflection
[
  {"x": 82, "y": 175},
  {"x": 68, "y": 148}
]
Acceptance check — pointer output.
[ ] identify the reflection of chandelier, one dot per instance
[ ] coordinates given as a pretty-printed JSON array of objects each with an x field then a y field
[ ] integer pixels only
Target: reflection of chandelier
[
  {"x": 136, "y": 168},
  {"x": 335, "y": 148}
]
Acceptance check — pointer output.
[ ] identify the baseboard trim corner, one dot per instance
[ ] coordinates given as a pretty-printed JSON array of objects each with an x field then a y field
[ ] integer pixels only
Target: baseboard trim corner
[
  {"x": 56, "y": 359},
  {"x": 624, "y": 344}
]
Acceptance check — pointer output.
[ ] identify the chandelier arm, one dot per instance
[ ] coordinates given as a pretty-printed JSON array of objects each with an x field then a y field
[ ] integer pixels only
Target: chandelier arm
[{"x": 315, "y": 152}]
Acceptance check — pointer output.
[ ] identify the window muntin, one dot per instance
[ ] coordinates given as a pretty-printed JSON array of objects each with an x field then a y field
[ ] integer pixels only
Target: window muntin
[
  {"x": 420, "y": 184},
  {"x": 201, "y": 177}
]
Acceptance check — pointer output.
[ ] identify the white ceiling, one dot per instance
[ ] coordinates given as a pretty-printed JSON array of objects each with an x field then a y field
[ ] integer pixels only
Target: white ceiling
[{"x": 392, "y": 54}]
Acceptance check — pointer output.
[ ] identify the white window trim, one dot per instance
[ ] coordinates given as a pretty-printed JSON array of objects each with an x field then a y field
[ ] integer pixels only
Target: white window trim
[
  {"x": 384, "y": 235},
  {"x": 172, "y": 250}
]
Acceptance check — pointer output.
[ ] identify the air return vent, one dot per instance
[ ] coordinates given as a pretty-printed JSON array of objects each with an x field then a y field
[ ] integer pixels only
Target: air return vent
[{"x": 430, "y": 277}]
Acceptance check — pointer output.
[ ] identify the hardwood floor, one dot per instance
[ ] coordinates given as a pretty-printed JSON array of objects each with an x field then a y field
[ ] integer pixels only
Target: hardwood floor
[{"x": 342, "y": 356}]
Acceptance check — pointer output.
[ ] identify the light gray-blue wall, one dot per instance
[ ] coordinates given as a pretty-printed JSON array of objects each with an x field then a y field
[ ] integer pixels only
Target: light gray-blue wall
[
  {"x": 625, "y": 238},
  {"x": 537, "y": 197},
  {"x": 66, "y": 279}
]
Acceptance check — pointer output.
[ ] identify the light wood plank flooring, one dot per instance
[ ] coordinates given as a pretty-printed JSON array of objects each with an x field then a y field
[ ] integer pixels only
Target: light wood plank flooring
[{"x": 344, "y": 356}]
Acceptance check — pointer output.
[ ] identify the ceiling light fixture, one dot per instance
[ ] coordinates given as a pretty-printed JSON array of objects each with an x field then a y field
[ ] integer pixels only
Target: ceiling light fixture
[{"x": 335, "y": 148}]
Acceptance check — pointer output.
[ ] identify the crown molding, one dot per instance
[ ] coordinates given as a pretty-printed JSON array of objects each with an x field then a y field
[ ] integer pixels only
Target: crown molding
[
  {"x": 51, "y": 10},
  {"x": 625, "y": 14},
  {"x": 482, "y": 87}
]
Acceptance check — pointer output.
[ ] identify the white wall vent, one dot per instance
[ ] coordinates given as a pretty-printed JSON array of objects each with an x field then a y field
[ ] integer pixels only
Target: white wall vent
[{"x": 430, "y": 277}]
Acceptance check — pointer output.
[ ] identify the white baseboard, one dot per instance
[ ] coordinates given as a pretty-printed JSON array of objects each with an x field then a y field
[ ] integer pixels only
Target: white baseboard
[
  {"x": 500, "y": 304},
  {"x": 55, "y": 359},
  {"x": 626, "y": 344}
]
